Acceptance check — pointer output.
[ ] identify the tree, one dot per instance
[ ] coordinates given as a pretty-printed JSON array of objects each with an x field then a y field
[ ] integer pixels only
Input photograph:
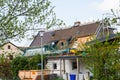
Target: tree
[
  {"x": 19, "y": 63},
  {"x": 24, "y": 63},
  {"x": 19, "y": 16},
  {"x": 103, "y": 60},
  {"x": 5, "y": 68},
  {"x": 112, "y": 19},
  {"x": 35, "y": 62}
]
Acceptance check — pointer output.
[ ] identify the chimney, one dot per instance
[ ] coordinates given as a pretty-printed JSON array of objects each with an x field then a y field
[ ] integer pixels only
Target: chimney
[{"x": 77, "y": 23}]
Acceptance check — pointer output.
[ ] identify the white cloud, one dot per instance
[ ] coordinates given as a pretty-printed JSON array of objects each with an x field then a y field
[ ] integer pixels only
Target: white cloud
[{"x": 109, "y": 4}]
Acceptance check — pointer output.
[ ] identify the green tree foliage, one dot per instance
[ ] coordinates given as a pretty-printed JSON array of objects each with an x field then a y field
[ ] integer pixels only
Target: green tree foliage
[
  {"x": 103, "y": 60},
  {"x": 24, "y": 63},
  {"x": 5, "y": 68},
  {"x": 19, "y": 16},
  {"x": 35, "y": 62},
  {"x": 112, "y": 19},
  {"x": 19, "y": 63}
]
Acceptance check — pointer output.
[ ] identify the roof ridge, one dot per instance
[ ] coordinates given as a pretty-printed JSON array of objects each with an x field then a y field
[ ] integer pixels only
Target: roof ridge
[{"x": 71, "y": 27}]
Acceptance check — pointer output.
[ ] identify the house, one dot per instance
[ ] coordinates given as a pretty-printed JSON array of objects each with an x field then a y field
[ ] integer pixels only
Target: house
[
  {"x": 9, "y": 50},
  {"x": 64, "y": 43}
]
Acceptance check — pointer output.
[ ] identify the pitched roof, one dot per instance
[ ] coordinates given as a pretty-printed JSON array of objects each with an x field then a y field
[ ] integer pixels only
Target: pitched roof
[
  {"x": 75, "y": 31},
  {"x": 10, "y": 43}
]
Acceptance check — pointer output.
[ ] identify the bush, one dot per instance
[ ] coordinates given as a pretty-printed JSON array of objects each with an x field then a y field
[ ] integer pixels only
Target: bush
[
  {"x": 25, "y": 63},
  {"x": 19, "y": 63}
]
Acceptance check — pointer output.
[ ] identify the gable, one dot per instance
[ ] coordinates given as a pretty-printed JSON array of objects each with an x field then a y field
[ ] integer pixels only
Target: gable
[{"x": 10, "y": 48}]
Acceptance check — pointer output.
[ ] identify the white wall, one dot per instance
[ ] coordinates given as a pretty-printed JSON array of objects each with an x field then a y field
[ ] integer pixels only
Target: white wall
[{"x": 68, "y": 66}]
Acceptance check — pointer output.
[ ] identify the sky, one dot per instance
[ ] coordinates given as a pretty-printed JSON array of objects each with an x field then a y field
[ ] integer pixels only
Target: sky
[
  {"x": 83, "y": 10},
  {"x": 79, "y": 10}
]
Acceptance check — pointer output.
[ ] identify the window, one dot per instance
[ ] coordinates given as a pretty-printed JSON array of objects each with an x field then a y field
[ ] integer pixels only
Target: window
[
  {"x": 54, "y": 65},
  {"x": 10, "y": 57},
  {"x": 9, "y": 47},
  {"x": 74, "y": 65},
  {"x": 53, "y": 35},
  {"x": 77, "y": 32},
  {"x": 62, "y": 44}
]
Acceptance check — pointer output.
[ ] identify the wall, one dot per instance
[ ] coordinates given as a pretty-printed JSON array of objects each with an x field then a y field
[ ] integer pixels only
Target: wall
[
  {"x": 12, "y": 50},
  {"x": 68, "y": 66}
]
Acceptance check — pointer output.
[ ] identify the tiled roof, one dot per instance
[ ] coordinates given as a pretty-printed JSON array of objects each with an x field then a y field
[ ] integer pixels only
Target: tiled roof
[{"x": 75, "y": 31}]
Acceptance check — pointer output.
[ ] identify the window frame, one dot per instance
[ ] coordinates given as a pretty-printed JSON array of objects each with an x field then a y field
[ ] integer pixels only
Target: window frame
[
  {"x": 9, "y": 47},
  {"x": 54, "y": 65}
]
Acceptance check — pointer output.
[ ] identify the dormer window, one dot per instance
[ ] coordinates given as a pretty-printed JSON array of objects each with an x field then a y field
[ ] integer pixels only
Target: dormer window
[
  {"x": 77, "y": 32},
  {"x": 53, "y": 34},
  {"x": 9, "y": 47},
  {"x": 62, "y": 44}
]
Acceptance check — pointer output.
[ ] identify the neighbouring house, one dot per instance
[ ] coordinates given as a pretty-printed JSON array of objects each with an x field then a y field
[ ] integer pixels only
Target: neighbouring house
[
  {"x": 62, "y": 46},
  {"x": 10, "y": 51}
]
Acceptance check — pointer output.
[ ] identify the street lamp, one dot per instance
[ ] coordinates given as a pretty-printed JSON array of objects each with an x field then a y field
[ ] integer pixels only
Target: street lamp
[{"x": 41, "y": 33}]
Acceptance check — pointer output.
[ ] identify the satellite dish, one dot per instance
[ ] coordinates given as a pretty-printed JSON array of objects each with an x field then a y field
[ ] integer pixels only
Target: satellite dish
[{"x": 53, "y": 43}]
